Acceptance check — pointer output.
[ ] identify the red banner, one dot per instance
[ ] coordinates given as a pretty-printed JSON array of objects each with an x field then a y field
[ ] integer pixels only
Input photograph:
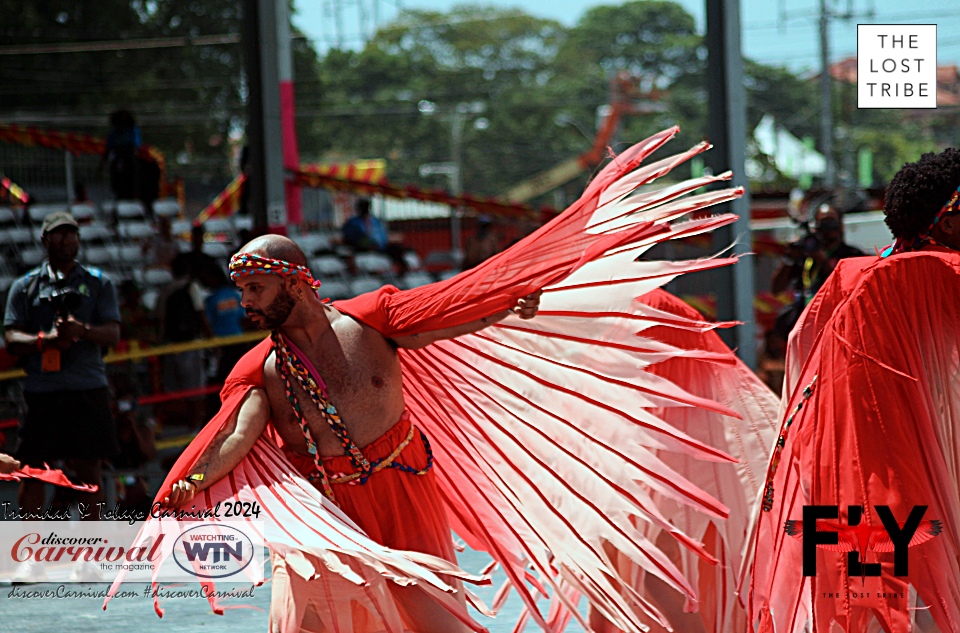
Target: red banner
[
  {"x": 383, "y": 188},
  {"x": 79, "y": 144}
]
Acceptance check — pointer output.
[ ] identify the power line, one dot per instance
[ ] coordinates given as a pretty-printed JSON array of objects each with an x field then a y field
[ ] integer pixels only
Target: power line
[
  {"x": 760, "y": 26},
  {"x": 121, "y": 45}
]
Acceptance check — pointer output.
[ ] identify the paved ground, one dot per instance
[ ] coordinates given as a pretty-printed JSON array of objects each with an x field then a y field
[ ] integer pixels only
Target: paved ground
[{"x": 84, "y": 615}]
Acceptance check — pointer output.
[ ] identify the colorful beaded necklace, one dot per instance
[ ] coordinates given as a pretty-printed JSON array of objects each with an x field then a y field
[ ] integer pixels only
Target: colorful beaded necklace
[
  {"x": 289, "y": 365},
  {"x": 767, "y": 504}
]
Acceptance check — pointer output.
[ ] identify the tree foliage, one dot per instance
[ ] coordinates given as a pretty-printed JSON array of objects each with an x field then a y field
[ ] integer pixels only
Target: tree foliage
[{"x": 540, "y": 85}]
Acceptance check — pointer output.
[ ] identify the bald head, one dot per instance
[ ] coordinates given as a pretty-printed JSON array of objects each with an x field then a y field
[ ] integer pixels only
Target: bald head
[{"x": 276, "y": 247}]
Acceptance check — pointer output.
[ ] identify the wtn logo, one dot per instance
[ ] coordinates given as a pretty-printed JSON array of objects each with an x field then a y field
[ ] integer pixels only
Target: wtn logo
[
  {"x": 857, "y": 537},
  {"x": 195, "y": 551}
]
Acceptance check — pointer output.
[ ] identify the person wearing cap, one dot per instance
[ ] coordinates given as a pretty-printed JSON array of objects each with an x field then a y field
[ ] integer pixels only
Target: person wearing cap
[{"x": 58, "y": 318}]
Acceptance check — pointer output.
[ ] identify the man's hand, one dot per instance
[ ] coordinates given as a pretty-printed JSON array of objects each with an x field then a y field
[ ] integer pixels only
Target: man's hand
[
  {"x": 71, "y": 328},
  {"x": 527, "y": 307},
  {"x": 181, "y": 494},
  {"x": 8, "y": 464},
  {"x": 56, "y": 339}
]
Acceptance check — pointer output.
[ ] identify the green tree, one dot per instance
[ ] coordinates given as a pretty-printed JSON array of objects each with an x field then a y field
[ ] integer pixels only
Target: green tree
[
  {"x": 187, "y": 99},
  {"x": 500, "y": 58}
]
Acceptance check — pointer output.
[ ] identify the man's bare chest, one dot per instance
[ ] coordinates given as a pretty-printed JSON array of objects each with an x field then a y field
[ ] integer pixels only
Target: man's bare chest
[{"x": 361, "y": 376}]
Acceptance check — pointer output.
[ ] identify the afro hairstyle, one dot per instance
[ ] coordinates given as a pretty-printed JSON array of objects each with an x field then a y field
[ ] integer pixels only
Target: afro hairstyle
[{"x": 918, "y": 192}]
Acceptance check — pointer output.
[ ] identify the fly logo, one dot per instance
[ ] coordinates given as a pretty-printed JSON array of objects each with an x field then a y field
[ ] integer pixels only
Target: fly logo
[{"x": 857, "y": 537}]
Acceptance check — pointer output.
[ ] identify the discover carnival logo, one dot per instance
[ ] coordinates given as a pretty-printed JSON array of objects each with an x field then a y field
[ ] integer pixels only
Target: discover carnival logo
[
  {"x": 161, "y": 550},
  {"x": 213, "y": 551}
]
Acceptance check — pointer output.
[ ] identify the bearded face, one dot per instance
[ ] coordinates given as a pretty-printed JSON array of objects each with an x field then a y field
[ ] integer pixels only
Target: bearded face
[{"x": 275, "y": 314}]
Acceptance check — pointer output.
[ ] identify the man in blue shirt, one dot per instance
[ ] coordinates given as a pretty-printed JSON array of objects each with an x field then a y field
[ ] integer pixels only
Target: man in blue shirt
[
  {"x": 58, "y": 318},
  {"x": 364, "y": 232}
]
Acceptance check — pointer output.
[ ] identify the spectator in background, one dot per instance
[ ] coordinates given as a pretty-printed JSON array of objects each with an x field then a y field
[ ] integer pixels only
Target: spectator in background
[
  {"x": 227, "y": 318},
  {"x": 59, "y": 317},
  {"x": 224, "y": 312},
  {"x": 810, "y": 260},
  {"x": 195, "y": 260},
  {"x": 484, "y": 244},
  {"x": 136, "y": 322},
  {"x": 806, "y": 265},
  {"x": 136, "y": 435},
  {"x": 363, "y": 232},
  {"x": 180, "y": 313},
  {"x": 120, "y": 153},
  {"x": 244, "y": 164},
  {"x": 80, "y": 193},
  {"x": 160, "y": 250}
]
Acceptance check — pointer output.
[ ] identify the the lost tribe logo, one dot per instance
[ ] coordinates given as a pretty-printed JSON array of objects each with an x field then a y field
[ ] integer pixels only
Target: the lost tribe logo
[
  {"x": 857, "y": 538},
  {"x": 213, "y": 551}
]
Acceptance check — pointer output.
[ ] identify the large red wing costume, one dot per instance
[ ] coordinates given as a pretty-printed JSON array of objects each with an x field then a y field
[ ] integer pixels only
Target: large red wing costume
[
  {"x": 879, "y": 428},
  {"x": 545, "y": 446},
  {"x": 703, "y": 365}
]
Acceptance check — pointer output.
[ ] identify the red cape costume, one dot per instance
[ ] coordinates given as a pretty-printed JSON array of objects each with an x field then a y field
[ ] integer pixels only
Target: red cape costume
[
  {"x": 545, "y": 447},
  {"x": 878, "y": 426}
]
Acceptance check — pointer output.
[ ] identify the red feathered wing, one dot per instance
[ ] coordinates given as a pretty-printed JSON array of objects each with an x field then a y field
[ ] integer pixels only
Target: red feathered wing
[{"x": 544, "y": 443}]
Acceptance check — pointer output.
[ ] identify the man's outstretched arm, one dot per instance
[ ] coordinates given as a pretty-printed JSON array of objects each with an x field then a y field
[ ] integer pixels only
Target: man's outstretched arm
[
  {"x": 226, "y": 450},
  {"x": 526, "y": 308}
]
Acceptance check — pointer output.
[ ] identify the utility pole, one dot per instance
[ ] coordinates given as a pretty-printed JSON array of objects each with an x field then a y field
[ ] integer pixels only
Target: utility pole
[
  {"x": 458, "y": 120},
  {"x": 826, "y": 102},
  {"x": 727, "y": 125},
  {"x": 263, "y": 114},
  {"x": 826, "y": 97},
  {"x": 456, "y": 175},
  {"x": 293, "y": 195}
]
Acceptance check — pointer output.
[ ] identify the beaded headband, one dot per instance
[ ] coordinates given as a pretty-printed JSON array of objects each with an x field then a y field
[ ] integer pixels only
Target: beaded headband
[
  {"x": 950, "y": 208},
  {"x": 246, "y": 264}
]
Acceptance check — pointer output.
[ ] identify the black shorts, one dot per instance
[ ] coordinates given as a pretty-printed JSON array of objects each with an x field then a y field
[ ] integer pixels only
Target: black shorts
[{"x": 67, "y": 425}]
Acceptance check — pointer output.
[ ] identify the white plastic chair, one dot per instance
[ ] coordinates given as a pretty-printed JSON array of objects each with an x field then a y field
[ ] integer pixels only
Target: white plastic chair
[
  {"x": 96, "y": 233},
  {"x": 328, "y": 265},
  {"x": 98, "y": 255},
  {"x": 39, "y": 211},
  {"x": 130, "y": 210},
  {"x": 17, "y": 235},
  {"x": 216, "y": 249},
  {"x": 335, "y": 290},
  {"x": 157, "y": 277},
  {"x": 7, "y": 216},
  {"x": 364, "y": 284},
  {"x": 84, "y": 212},
  {"x": 373, "y": 264},
  {"x": 313, "y": 243},
  {"x": 135, "y": 230},
  {"x": 32, "y": 256},
  {"x": 166, "y": 207},
  {"x": 416, "y": 279}
]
